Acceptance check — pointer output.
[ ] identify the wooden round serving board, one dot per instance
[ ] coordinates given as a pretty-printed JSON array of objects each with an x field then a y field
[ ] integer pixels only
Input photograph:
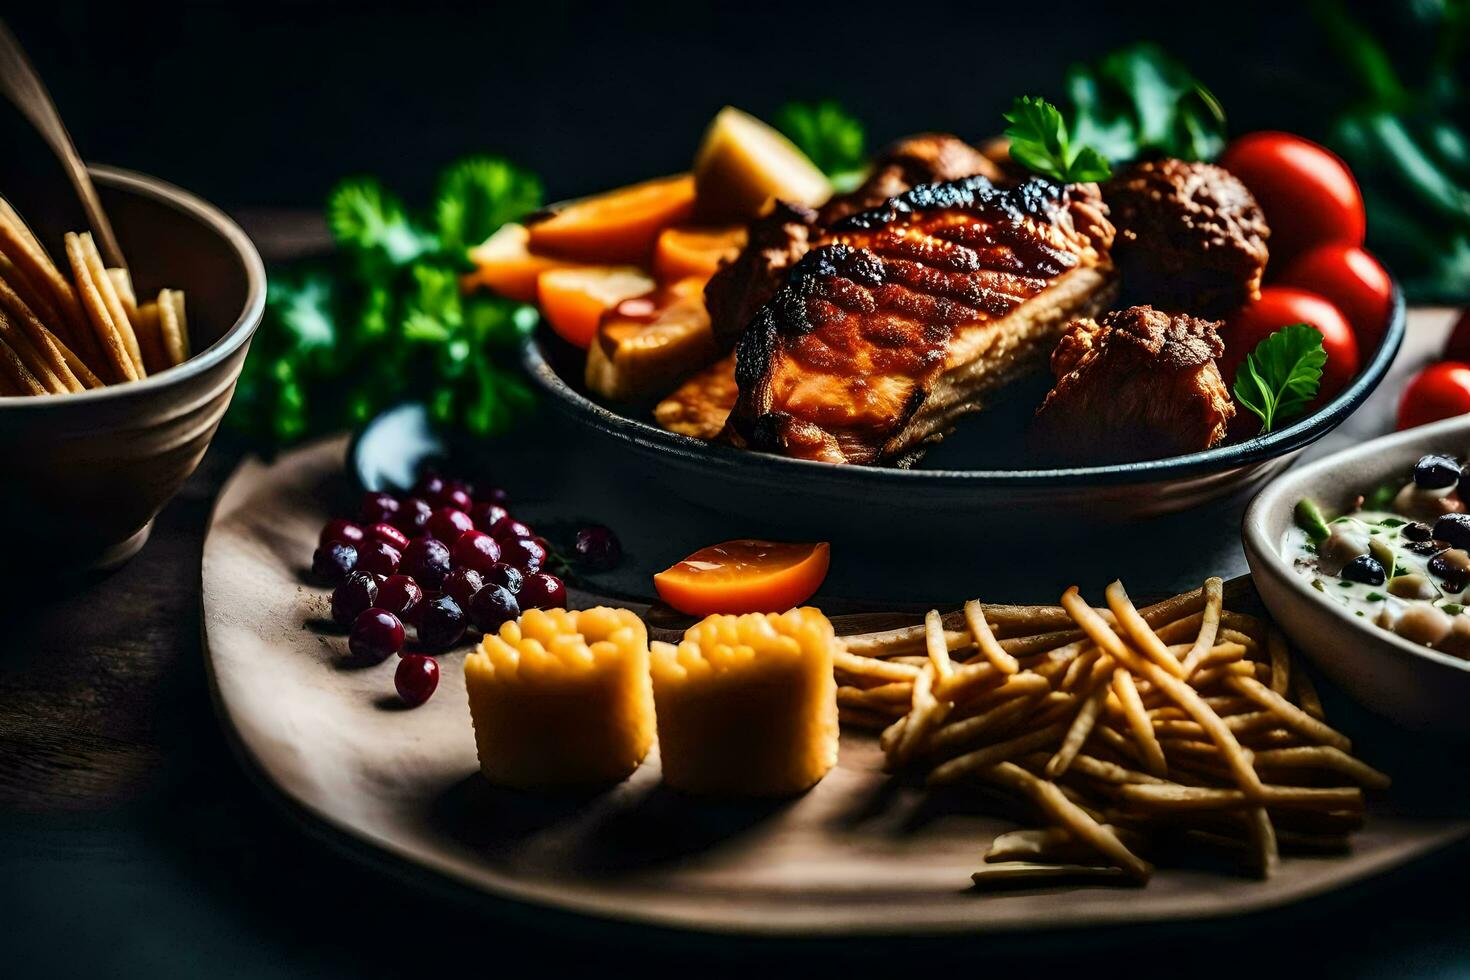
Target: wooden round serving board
[{"x": 859, "y": 854}]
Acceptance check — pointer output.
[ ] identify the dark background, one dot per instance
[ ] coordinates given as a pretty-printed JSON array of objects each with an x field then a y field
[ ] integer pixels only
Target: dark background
[{"x": 267, "y": 103}]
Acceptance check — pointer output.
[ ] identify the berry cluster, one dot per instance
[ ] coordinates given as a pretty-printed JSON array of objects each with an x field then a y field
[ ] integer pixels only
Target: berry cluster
[{"x": 441, "y": 559}]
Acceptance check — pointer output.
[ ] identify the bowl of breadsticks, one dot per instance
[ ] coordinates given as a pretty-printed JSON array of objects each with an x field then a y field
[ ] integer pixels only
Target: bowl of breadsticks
[{"x": 113, "y": 380}]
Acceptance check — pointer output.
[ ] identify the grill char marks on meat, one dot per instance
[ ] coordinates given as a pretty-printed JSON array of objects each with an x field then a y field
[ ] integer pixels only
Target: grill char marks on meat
[
  {"x": 1138, "y": 384},
  {"x": 781, "y": 237},
  {"x": 904, "y": 317},
  {"x": 1190, "y": 237}
]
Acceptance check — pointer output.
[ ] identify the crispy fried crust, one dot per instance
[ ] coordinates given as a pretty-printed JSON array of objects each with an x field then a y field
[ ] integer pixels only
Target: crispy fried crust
[
  {"x": 1139, "y": 384},
  {"x": 907, "y": 315},
  {"x": 1190, "y": 237}
]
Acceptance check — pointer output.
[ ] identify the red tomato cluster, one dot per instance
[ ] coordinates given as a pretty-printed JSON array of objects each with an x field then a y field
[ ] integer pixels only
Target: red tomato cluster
[{"x": 1319, "y": 273}]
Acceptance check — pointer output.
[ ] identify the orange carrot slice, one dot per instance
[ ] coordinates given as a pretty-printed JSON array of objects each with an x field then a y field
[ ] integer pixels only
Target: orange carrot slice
[
  {"x": 505, "y": 264},
  {"x": 690, "y": 250},
  {"x": 744, "y": 576},
  {"x": 574, "y": 300},
  {"x": 619, "y": 226}
]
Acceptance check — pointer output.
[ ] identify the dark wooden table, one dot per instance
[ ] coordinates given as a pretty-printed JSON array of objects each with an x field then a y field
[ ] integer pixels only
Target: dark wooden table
[{"x": 133, "y": 843}]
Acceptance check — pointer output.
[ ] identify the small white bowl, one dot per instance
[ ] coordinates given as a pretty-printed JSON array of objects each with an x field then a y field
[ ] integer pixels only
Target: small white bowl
[{"x": 1407, "y": 683}]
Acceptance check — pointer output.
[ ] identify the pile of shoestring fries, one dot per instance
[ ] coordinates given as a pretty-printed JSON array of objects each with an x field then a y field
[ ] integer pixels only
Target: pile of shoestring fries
[
  {"x": 63, "y": 333},
  {"x": 1127, "y": 731}
]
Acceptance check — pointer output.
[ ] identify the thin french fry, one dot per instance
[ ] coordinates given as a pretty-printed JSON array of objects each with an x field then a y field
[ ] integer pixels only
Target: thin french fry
[
  {"x": 1140, "y": 632},
  {"x": 985, "y": 640},
  {"x": 1050, "y": 798},
  {"x": 1214, "y": 592},
  {"x": 1138, "y": 723},
  {"x": 21, "y": 380},
  {"x": 1280, "y": 664},
  {"x": 174, "y": 325},
  {"x": 102, "y": 282},
  {"x": 1078, "y": 732},
  {"x": 119, "y": 363},
  {"x": 872, "y": 667},
  {"x": 1291, "y": 716}
]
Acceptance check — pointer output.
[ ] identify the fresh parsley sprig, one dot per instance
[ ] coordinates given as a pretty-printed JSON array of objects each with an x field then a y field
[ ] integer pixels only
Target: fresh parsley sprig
[
  {"x": 383, "y": 318},
  {"x": 1039, "y": 142},
  {"x": 1281, "y": 376}
]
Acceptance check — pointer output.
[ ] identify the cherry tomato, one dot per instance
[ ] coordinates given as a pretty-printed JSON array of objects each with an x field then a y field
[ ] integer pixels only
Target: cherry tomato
[
  {"x": 1355, "y": 283},
  {"x": 1458, "y": 346},
  {"x": 1280, "y": 306},
  {"x": 1308, "y": 194},
  {"x": 1440, "y": 391}
]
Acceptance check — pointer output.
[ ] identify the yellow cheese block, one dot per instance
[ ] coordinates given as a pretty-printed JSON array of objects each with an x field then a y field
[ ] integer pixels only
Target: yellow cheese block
[
  {"x": 747, "y": 705},
  {"x": 562, "y": 698}
]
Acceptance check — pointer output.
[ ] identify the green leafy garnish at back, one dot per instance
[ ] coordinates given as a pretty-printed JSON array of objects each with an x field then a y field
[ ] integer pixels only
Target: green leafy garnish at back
[
  {"x": 1039, "y": 142},
  {"x": 384, "y": 318},
  {"x": 1137, "y": 101},
  {"x": 1281, "y": 376},
  {"x": 476, "y": 196},
  {"x": 830, "y": 136}
]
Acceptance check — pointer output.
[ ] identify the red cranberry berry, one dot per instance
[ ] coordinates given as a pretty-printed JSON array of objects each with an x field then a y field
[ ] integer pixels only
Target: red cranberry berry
[
  {"x": 485, "y": 515},
  {"x": 388, "y": 534},
  {"x": 377, "y": 507},
  {"x": 542, "y": 591},
  {"x": 427, "y": 560},
  {"x": 508, "y": 529},
  {"x": 495, "y": 495},
  {"x": 477, "y": 550},
  {"x": 340, "y": 530},
  {"x": 448, "y": 523},
  {"x": 524, "y": 554},
  {"x": 431, "y": 487},
  {"x": 380, "y": 557},
  {"x": 455, "y": 495},
  {"x": 461, "y": 586},
  {"x": 401, "y": 596},
  {"x": 416, "y": 678},
  {"x": 505, "y": 576},
  {"x": 358, "y": 592},
  {"x": 333, "y": 561},
  {"x": 413, "y": 516},
  {"x": 493, "y": 606},
  {"x": 596, "y": 548},
  {"x": 441, "y": 624},
  {"x": 376, "y": 635}
]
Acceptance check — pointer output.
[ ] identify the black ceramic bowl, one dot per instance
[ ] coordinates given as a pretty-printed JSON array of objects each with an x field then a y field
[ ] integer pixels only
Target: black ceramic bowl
[{"x": 812, "y": 497}]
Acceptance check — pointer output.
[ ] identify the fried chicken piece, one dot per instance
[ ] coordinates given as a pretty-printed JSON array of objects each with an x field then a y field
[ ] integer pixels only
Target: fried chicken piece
[
  {"x": 1139, "y": 384},
  {"x": 781, "y": 237},
  {"x": 1190, "y": 237}
]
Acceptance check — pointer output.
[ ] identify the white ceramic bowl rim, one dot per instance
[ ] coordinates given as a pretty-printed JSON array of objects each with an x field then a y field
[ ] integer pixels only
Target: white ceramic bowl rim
[
  {"x": 1254, "y": 524},
  {"x": 167, "y": 194}
]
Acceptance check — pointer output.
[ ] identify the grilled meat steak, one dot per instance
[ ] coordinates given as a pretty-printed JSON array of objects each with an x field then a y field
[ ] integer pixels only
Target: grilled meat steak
[
  {"x": 781, "y": 237},
  {"x": 1190, "y": 237},
  {"x": 902, "y": 318},
  {"x": 1137, "y": 384}
]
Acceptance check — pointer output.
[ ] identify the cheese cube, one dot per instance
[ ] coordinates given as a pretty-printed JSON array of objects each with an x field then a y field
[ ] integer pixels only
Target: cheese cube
[
  {"x": 562, "y": 698},
  {"x": 747, "y": 705}
]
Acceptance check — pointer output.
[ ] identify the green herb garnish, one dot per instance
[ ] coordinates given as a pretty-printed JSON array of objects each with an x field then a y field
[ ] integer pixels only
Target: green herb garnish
[
  {"x": 830, "y": 135},
  {"x": 1381, "y": 497},
  {"x": 1309, "y": 518},
  {"x": 1281, "y": 376},
  {"x": 1039, "y": 142},
  {"x": 383, "y": 319},
  {"x": 1452, "y": 608},
  {"x": 1137, "y": 101},
  {"x": 1375, "y": 597}
]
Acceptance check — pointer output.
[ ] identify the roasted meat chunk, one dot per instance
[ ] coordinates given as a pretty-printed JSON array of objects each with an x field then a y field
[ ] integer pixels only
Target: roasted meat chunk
[
  {"x": 926, "y": 158},
  {"x": 1190, "y": 237},
  {"x": 775, "y": 242},
  {"x": 1137, "y": 384},
  {"x": 781, "y": 237},
  {"x": 700, "y": 406},
  {"x": 904, "y": 317}
]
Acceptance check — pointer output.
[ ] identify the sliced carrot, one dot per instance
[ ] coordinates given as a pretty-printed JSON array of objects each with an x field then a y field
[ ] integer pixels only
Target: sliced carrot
[
  {"x": 690, "y": 250},
  {"x": 574, "y": 300},
  {"x": 505, "y": 263},
  {"x": 744, "y": 576},
  {"x": 619, "y": 226}
]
